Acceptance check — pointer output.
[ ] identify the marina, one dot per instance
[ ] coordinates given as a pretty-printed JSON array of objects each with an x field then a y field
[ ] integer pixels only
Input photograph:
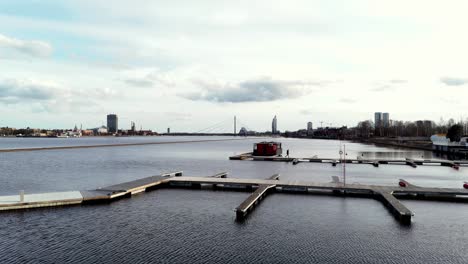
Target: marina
[
  {"x": 233, "y": 132},
  {"x": 110, "y": 200},
  {"x": 220, "y": 181}
]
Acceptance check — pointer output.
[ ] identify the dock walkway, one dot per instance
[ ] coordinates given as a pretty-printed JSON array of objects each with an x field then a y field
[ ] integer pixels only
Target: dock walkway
[
  {"x": 359, "y": 160},
  {"x": 255, "y": 198},
  {"x": 259, "y": 188},
  {"x": 105, "y": 194},
  {"x": 13, "y": 202}
]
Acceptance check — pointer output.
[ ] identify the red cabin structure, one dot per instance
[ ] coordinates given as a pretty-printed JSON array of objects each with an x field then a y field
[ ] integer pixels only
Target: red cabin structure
[{"x": 267, "y": 149}]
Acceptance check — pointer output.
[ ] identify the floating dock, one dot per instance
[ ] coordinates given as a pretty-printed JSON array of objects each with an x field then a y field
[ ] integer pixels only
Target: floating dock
[
  {"x": 255, "y": 198},
  {"x": 260, "y": 188},
  {"x": 399, "y": 211},
  {"x": 26, "y": 201},
  {"x": 374, "y": 162},
  {"x": 105, "y": 194}
]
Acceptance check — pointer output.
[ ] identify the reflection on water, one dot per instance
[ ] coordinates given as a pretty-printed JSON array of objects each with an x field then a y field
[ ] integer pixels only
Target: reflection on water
[{"x": 412, "y": 154}]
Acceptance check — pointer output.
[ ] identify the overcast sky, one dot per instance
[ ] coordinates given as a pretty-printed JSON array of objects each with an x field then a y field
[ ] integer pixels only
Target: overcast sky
[{"x": 192, "y": 64}]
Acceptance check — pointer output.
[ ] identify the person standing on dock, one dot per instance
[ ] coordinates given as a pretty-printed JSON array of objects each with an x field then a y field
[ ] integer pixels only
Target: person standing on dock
[{"x": 287, "y": 153}]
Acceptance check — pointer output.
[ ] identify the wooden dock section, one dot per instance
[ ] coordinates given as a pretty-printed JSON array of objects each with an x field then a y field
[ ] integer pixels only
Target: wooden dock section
[
  {"x": 255, "y": 198},
  {"x": 137, "y": 186},
  {"x": 15, "y": 202},
  {"x": 219, "y": 175},
  {"x": 260, "y": 188},
  {"x": 241, "y": 156},
  {"x": 252, "y": 201},
  {"x": 399, "y": 211},
  {"x": 105, "y": 194},
  {"x": 359, "y": 160},
  {"x": 274, "y": 177},
  {"x": 385, "y": 194},
  {"x": 411, "y": 163}
]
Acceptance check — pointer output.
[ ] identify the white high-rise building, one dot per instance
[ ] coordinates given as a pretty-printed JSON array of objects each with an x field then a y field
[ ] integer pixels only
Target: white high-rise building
[
  {"x": 274, "y": 126},
  {"x": 309, "y": 127}
]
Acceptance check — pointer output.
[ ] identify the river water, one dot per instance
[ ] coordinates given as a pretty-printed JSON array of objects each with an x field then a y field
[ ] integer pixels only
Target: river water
[{"x": 198, "y": 226}]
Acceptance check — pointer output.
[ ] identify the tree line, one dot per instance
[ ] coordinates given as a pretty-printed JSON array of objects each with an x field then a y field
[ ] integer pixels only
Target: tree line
[{"x": 420, "y": 128}]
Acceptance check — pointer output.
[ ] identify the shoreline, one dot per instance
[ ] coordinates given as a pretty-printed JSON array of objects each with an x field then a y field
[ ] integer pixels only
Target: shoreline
[
  {"x": 115, "y": 145},
  {"x": 426, "y": 146}
]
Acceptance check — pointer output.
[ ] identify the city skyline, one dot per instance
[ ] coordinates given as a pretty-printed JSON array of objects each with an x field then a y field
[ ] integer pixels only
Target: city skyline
[
  {"x": 158, "y": 65},
  {"x": 380, "y": 121}
]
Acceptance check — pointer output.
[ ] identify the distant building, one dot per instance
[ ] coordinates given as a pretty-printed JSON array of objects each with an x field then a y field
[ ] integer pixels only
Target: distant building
[
  {"x": 386, "y": 120},
  {"x": 112, "y": 123},
  {"x": 87, "y": 132},
  {"x": 73, "y": 133},
  {"x": 378, "y": 119},
  {"x": 100, "y": 130},
  {"x": 132, "y": 126},
  {"x": 274, "y": 126},
  {"x": 309, "y": 127},
  {"x": 168, "y": 130},
  {"x": 243, "y": 131}
]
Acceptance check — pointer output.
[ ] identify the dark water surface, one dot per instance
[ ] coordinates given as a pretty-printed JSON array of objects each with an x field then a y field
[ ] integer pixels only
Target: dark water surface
[{"x": 197, "y": 226}]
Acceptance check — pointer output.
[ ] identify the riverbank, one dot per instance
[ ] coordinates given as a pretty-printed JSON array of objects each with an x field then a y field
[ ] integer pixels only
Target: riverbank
[
  {"x": 416, "y": 144},
  {"x": 426, "y": 145},
  {"x": 116, "y": 145}
]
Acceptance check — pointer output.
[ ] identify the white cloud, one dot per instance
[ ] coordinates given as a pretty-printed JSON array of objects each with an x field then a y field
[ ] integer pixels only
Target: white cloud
[
  {"x": 149, "y": 52},
  {"x": 348, "y": 100},
  {"x": 256, "y": 90},
  {"x": 451, "y": 81},
  {"x": 15, "y": 91},
  {"x": 34, "y": 48},
  {"x": 148, "y": 77},
  {"x": 50, "y": 96}
]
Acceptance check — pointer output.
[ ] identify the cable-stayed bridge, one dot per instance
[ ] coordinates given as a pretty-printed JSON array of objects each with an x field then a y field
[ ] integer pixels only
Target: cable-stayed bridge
[{"x": 227, "y": 127}]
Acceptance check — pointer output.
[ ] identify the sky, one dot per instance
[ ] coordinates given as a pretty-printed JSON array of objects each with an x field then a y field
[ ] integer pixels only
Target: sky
[{"x": 189, "y": 65}]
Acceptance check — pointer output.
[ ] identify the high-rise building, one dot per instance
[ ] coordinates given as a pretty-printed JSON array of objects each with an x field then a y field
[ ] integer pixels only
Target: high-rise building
[
  {"x": 274, "y": 126},
  {"x": 309, "y": 127},
  {"x": 112, "y": 123},
  {"x": 378, "y": 119},
  {"x": 386, "y": 120}
]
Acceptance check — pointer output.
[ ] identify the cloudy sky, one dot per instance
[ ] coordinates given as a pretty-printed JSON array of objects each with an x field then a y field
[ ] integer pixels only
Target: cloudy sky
[{"x": 191, "y": 64}]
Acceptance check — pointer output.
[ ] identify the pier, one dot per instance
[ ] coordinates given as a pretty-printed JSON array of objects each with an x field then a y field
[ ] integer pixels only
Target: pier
[
  {"x": 255, "y": 198},
  {"x": 399, "y": 211},
  {"x": 260, "y": 188},
  {"x": 359, "y": 160},
  {"x": 105, "y": 194}
]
